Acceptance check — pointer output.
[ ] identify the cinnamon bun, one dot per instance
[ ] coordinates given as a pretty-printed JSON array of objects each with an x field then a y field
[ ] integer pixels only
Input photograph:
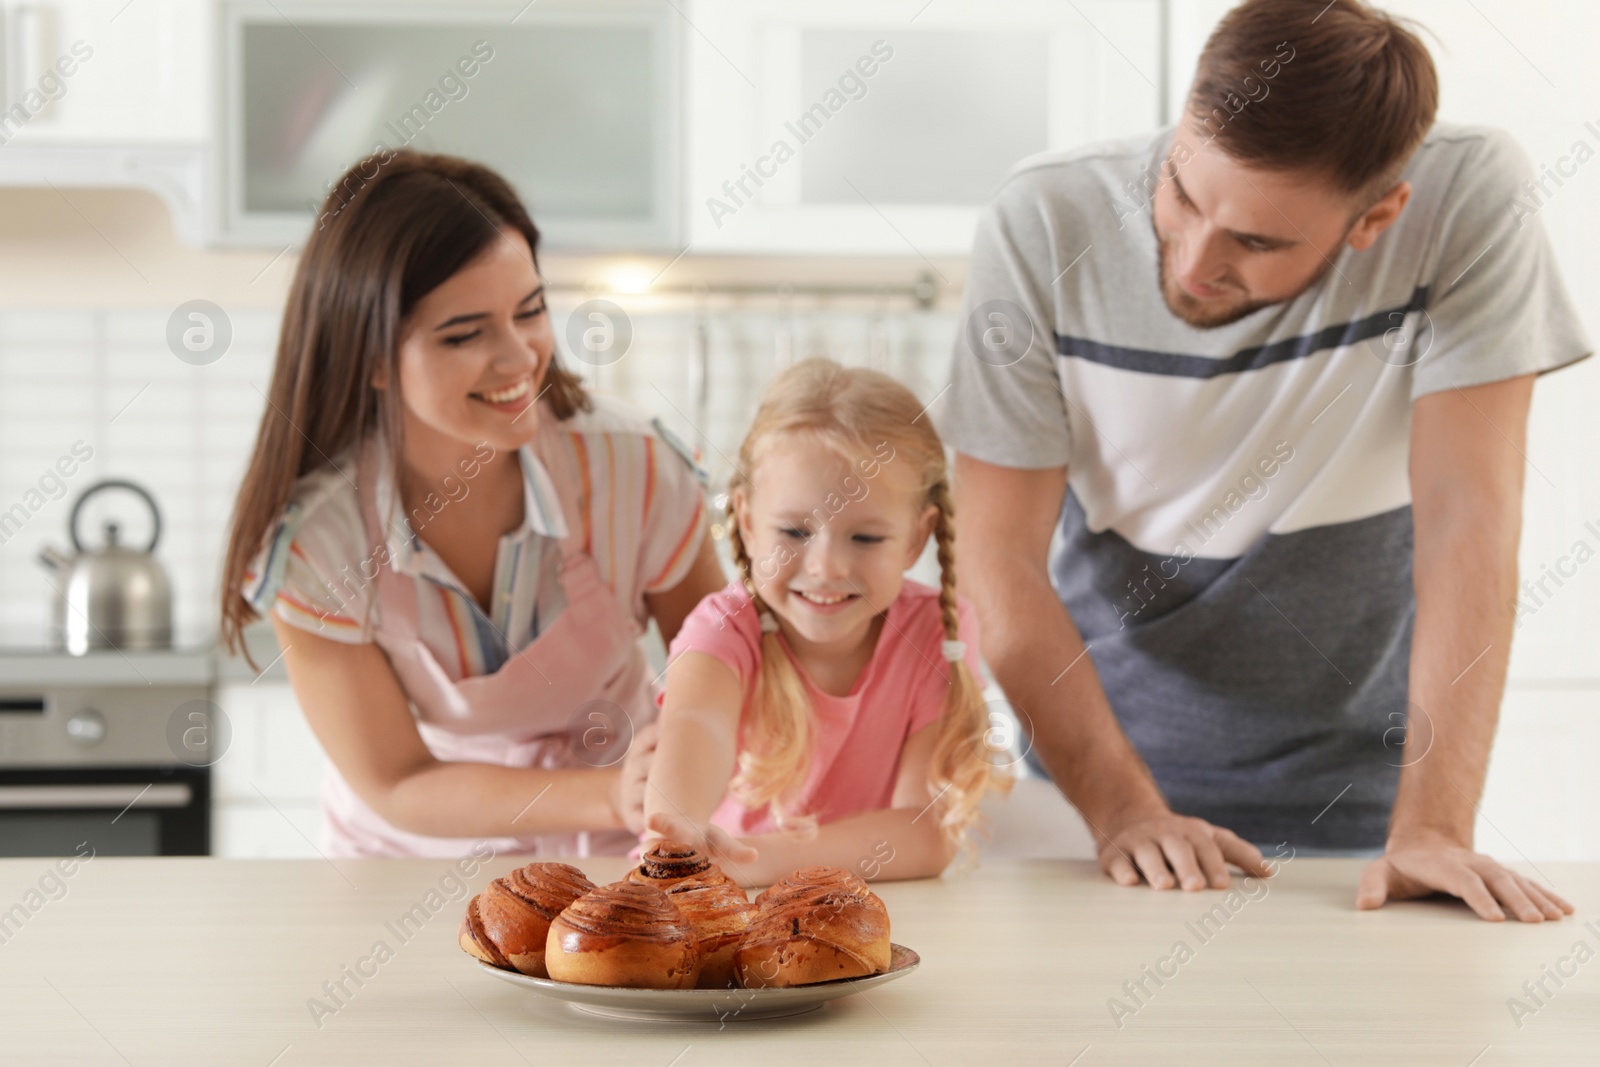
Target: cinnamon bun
[
  {"x": 720, "y": 913},
  {"x": 666, "y": 863},
  {"x": 624, "y": 934},
  {"x": 507, "y": 924},
  {"x": 816, "y": 925}
]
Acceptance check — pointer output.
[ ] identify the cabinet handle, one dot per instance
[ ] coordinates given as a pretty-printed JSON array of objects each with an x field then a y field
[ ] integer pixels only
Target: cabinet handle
[{"x": 166, "y": 795}]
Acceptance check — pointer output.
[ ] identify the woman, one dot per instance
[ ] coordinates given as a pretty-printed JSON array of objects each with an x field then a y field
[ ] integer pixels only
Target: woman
[{"x": 457, "y": 545}]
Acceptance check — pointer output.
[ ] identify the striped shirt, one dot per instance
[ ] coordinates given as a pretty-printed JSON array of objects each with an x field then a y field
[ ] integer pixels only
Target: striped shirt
[
  {"x": 626, "y": 489},
  {"x": 1236, "y": 541}
]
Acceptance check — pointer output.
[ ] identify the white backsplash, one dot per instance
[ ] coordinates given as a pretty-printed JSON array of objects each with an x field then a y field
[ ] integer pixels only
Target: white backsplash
[{"x": 108, "y": 379}]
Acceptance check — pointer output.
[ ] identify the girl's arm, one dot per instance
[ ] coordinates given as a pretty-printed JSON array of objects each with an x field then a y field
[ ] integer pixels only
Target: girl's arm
[
  {"x": 359, "y": 713},
  {"x": 695, "y": 756},
  {"x": 902, "y": 841}
]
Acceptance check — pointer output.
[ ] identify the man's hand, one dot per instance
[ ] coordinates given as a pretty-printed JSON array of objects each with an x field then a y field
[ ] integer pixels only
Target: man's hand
[
  {"x": 1170, "y": 850},
  {"x": 1005, "y": 520},
  {"x": 714, "y": 841},
  {"x": 1467, "y": 465},
  {"x": 1423, "y": 865}
]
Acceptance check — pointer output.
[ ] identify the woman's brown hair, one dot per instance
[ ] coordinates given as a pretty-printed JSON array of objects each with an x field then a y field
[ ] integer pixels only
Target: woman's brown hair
[{"x": 395, "y": 226}]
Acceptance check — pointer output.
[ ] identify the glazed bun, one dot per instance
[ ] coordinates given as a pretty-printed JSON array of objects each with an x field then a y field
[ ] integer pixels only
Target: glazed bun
[
  {"x": 623, "y": 934},
  {"x": 666, "y": 863},
  {"x": 816, "y": 925},
  {"x": 507, "y": 924},
  {"x": 720, "y": 913}
]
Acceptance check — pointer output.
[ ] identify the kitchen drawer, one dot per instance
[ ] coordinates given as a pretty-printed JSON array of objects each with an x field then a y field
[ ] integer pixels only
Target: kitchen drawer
[{"x": 282, "y": 830}]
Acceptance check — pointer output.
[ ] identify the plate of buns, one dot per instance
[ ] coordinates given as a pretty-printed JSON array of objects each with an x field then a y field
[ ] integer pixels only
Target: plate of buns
[{"x": 678, "y": 939}]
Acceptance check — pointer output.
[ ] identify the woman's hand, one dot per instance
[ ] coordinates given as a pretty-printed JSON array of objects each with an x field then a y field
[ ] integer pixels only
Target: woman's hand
[
  {"x": 635, "y": 774},
  {"x": 714, "y": 841}
]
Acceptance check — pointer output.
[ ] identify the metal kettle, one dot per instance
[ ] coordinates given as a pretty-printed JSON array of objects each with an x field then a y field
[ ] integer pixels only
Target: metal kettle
[{"x": 114, "y": 596}]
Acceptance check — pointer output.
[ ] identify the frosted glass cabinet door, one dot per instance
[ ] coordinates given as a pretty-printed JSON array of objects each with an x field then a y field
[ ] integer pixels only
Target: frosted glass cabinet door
[
  {"x": 577, "y": 105},
  {"x": 840, "y": 126}
]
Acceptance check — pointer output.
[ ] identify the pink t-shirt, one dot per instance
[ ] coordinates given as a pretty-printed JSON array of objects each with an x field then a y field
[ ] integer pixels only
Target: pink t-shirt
[{"x": 857, "y": 738}]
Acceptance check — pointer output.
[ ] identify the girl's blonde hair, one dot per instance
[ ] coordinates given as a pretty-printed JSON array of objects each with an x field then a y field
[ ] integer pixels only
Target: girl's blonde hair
[{"x": 856, "y": 412}]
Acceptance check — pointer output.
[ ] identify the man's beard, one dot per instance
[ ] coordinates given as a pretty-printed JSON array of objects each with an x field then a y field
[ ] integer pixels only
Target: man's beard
[{"x": 1202, "y": 314}]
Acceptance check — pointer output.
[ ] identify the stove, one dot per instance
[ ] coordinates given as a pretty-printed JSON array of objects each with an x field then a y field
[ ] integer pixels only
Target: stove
[{"x": 111, "y": 750}]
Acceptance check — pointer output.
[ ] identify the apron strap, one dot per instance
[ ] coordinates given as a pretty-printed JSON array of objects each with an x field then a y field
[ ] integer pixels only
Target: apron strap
[
  {"x": 556, "y": 451},
  {"x": 399, "y": 593}
]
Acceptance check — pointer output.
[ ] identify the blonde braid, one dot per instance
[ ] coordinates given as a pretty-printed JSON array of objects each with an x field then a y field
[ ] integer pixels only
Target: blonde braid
[
  {"x": 960, "y": 770},
  {"x": 944, "y": 538},
  {"x": 741, "y": 560}
]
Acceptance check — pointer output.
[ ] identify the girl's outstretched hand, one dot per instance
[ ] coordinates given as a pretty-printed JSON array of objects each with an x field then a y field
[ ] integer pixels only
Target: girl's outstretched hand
[{"x": 714, "y": 841}]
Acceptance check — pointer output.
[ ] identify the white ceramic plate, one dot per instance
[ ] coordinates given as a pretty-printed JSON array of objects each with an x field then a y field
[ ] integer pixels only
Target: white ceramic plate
[{"x": 706, "y": 1005}]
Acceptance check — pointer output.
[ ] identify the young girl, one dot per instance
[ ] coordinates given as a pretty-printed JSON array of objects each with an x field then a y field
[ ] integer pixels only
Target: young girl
[{"x": 822, "y": 708}]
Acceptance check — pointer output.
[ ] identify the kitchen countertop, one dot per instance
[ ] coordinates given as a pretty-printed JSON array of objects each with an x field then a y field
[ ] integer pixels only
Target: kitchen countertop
[
  {"x": 206, "y": 961},
  {"x": 194, "y": 662},
  {"x": 43, "y": 668}
]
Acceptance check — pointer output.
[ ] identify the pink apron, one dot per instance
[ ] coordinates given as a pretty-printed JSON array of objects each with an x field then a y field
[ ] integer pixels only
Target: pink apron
[{"x": 519, "y": 716}]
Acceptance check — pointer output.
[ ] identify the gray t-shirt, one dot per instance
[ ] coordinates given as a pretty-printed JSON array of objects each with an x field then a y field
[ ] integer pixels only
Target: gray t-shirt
[{"x": 1236, "y": 541}]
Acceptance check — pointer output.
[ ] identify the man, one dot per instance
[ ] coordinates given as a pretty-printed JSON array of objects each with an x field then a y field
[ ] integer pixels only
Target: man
[{"x": 1239, "y": 414}]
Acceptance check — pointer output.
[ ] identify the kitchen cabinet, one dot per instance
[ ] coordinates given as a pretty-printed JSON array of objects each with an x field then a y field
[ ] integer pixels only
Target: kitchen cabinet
[
  {"x": 675, "y": 140},
  {"x": 264, "y": 787},
  {"x": 884, "y": 128},
  {"x": 1542, "y": 798},
  {"x": 105, "y": 94},
  {"x": 241, "y": 115},
  {"x": 85, "y": 71},
  {"x": 575, "y": 104}
]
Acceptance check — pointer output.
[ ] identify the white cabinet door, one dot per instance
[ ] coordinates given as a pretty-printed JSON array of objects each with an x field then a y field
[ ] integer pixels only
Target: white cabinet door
[
  {"x": 265, "y": 786},
  {"x": 85, "y": 71},
  {"x": 272, "y": 754},
  {"x": 282, "y": 830},
  {"x": 877, "y": 128},
  {"x": 110, "y": 93},
  {"x": 1542, "y": 800}
]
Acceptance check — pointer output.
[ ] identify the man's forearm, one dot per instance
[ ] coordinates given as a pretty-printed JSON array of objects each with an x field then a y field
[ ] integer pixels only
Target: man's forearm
[
  {"x": 1040, "y": 661},
  {"x": 1466, "y": 579},
  {"x": 1466, "y": 490}
]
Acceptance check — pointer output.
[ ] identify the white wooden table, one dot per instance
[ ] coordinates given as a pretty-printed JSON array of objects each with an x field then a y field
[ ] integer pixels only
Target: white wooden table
[{"x": 176, "y": 961}]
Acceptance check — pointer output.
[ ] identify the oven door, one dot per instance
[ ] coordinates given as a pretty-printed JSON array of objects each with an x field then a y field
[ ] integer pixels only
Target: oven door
[{"x": 118, "y": 811}]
